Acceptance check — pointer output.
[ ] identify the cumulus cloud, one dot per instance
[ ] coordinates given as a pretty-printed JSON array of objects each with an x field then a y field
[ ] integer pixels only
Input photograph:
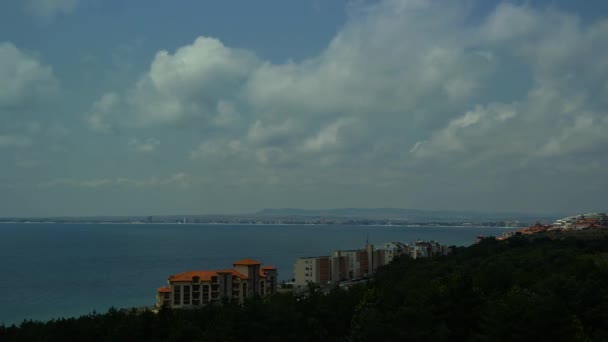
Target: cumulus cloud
[
  {"x": 144, "y": 146},
  {"x": 23, "y": 78},
  {"x": 27, "y": 85},
  {"x": 176, "y": 179},
  {"x": 404, "y": 88},
  {"x": 98, "y": 116},
  {"x": 328, "y": 137},
  {"x": 47, "y": 10},
  {"x": 458, "y": 134},
  {"x": 510, "y": 22}
]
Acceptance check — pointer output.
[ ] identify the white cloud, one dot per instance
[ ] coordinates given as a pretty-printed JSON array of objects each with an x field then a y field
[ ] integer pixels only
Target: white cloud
[
  {"x": 144, "y": 146},
  {"x": 509, "y": 22},
  {"x": 23, "y": 78},
  {"x": 461, "y": 132},
  {"x": 270, "y": 134},
  {"x": 189, "y": 83},
  {"x": 14, "y": 141},
  {"x": 47, "y": 10},
  {"x": 103, "y": 110},
  {"x": 195, "y": 82},
  {"x": 327, "y": 137},
  {"x": 177, "y": 179},
  {"x": 405, "y": 88},
  {"x": 226, "y": 114},
  {"x": 217, "y": 150}
]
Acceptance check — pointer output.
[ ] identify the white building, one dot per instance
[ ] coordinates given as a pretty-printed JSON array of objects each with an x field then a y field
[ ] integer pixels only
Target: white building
[{"x": 312, "y": 270}]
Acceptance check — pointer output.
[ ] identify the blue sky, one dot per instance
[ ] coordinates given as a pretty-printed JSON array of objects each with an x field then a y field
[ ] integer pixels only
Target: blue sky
[{"x": 114, "y": 107}]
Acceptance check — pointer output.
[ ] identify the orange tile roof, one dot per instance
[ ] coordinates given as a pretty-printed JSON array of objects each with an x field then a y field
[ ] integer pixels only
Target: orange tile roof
[
  {"x": 269, "y": 268},
  {"x": 203, "y": 275},
  {"x": 233, "y": 272},
  {"x": 164, "y": 289},
  {"x": 247, "y": 262},
  {"x": 187, "y": 276}
]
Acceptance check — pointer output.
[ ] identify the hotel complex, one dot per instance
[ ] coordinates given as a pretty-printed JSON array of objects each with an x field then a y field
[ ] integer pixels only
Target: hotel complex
[
  {"x": 582, "y": 221},
  {"x": 589, "y": 221},
  {"x": 198, "y": 288},
  {"x": 345, "y": 265}
]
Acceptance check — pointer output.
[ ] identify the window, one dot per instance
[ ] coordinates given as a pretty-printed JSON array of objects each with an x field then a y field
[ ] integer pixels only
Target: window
[
  {"x": 186, "y": 294},
  {"x": 205, "y": 294},
  {"x": 196, "y": 288},
  {"x": 177, "y": 294}
]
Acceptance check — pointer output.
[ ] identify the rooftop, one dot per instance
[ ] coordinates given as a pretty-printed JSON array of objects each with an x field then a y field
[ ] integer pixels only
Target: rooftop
[
  {"x": 247, "y": 262},
  {"x": 203, "y": 275},
  {"x": 269, "y": 268},
  {"x": 164, "y": 289}
]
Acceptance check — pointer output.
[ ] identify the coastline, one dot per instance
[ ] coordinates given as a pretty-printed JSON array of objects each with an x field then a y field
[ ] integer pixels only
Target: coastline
[{"x": 262, "y": 224}]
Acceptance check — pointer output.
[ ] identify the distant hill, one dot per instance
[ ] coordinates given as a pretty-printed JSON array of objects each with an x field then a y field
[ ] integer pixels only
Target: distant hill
[
  {"x": 300, "y": 216},
  {"x": 403, "y": 214}
]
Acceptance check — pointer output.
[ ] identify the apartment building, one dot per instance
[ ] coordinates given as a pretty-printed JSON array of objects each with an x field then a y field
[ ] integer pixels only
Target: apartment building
[
  {"x": 344, "y": 265},
  {"x": 341, "y": 265},
  {"x": 426, "y": 249},
  {"x": 392, "y": 250},
  {"x": 247, "y": 278},
  {"x": 312, "y": 270}
]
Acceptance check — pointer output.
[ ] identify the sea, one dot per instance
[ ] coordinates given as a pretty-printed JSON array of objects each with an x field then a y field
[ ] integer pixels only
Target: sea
[{"x": 53, "y": 270}]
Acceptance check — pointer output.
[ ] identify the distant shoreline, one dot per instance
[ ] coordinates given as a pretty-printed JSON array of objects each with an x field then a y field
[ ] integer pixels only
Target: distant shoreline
[{"x": 267, "y": 224}]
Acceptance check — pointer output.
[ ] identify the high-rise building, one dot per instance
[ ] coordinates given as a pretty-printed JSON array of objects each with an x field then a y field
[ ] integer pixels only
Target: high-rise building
[{"x": 312, "y": 270}]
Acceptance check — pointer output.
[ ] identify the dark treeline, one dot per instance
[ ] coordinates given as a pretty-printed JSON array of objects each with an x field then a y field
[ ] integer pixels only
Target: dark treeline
[{"x": 516, "y": 290}]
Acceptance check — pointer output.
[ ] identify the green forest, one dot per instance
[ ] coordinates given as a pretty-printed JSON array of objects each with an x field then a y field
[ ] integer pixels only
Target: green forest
[{"x": 521, "y": 289}]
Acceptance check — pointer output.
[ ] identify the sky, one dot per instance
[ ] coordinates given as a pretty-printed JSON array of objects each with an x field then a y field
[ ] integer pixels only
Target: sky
[{"x": 144, "y": 107}]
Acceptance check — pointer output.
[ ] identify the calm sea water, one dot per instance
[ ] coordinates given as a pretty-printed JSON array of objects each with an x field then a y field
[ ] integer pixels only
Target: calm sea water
[{"x": 61, "y": 270}]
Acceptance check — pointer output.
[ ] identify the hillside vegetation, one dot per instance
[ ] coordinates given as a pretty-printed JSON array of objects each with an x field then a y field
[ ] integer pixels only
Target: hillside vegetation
[{"x": 521, "y": 289}]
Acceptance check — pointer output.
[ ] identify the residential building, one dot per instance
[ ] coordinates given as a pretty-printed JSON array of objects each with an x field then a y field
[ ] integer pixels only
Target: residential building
[
  {"x": 312, "y": 270},
  {"x": 198, "y": 288},
  {"x": 393, "y": 250},
  {"x": 339, "y": 268},
  {"x": 426, "y": 249},
  {"x": 342, "y": 265},
  {"x": 345, "y": 265}
]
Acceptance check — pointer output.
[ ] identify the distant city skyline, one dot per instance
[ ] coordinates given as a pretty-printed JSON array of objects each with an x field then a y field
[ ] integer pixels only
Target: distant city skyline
[{"x": 110, "y": 107}]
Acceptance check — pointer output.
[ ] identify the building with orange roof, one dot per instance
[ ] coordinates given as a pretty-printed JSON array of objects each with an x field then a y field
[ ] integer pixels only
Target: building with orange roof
[{"x": 193, "y": 289}]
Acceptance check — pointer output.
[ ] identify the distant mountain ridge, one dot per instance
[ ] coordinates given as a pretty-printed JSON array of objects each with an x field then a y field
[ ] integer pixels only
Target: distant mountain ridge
[
  {"x": 396, "y": 213},
  {"x": 298, "y": 216}
]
